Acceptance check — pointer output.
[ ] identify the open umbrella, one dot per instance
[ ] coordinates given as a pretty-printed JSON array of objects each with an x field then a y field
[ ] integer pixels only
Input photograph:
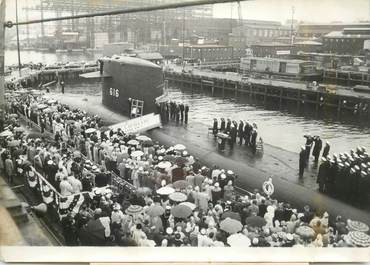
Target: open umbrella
[
  {"x": 232, "y": 215},
  {"x": 181, "y": 211},
  {"x": 169, "y": 158},
  {"x": 179, "y": 147},
  {"x": 155, "y": 210},
  {"x": 255, "y": 221},
  {"x": 359, "y": 238},
  {"x": 90, "y": 130},
  {"x": 14, "y": 143},
  {"x": 181, "y": 160},
  {"x": 133, "y": 142},
  {"x": 231, "y": 226},
  {"x": 165, "y": 191},
  {"x": 164, "y": 164},
  {"x": 6, "y": 133},
  {"x": 191, "y": 205},
  {"x": 92, "y": 234},
  {"x": 143, "y": 138},
  {"x": 134, "y": 209},
  {"x": 180, "y": 184},
  {"x": 305, "y": 232},
  {"x": 238, "y": 240},
  {"x": 357, "y": 226},
  {"x": 178, "y": 197},
  {"x": 137, "y": 153}
]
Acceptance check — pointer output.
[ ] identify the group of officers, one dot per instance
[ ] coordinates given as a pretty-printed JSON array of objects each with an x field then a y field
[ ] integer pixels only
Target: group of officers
[
  {"x": 246, "y": 132},
  {"x": 173, "y": 111},
  {"x": 346, "y": 175}
]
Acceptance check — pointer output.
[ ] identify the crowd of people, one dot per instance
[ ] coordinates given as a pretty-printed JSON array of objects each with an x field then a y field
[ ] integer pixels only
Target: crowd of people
[
  {"x": 177, "y": 201},
  {"x": 173, "y": 111},
  {"x": 246, "y": 132},
  {"x": 344, "y": 175}
]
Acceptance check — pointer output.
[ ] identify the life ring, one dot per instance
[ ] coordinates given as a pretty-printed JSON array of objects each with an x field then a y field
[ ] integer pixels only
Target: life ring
[{"x": 268, "y": 188}]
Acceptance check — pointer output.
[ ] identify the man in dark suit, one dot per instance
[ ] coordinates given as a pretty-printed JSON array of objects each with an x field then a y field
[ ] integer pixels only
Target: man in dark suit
[
  {"x": 222, "y": 127},
  {"x": 182, "y": 108},
  {"x": 317, "y": 148},
  {"x": 302, "y": 161},
  {"x": 241, "y": 132},
  {"x": 186, "y": 113}
]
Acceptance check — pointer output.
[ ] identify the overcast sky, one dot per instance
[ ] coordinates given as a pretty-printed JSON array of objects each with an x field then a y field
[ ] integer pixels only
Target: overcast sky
[
  {"x": 306, "y": 10},
  {"x": 280, "y": 10}
]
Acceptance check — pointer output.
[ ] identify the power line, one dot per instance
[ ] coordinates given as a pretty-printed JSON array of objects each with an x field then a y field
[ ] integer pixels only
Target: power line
[{"x": 125, "y": 11}]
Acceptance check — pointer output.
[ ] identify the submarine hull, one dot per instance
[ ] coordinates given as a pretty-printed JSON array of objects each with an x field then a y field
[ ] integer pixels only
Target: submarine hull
[{"x": 131, "y": 78}]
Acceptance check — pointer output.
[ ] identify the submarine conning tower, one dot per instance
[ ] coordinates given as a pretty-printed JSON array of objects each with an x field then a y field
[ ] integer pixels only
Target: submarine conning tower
[{"x": 131, "y": 79}]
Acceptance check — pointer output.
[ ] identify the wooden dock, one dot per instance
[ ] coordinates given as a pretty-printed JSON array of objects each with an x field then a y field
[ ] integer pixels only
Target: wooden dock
[{"x": 278, "y": 92}]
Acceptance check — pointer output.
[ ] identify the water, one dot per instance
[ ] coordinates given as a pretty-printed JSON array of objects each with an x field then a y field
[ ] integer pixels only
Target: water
[
  {"x": 11, "y": 57},
  {"x": 283, "y": 130}
]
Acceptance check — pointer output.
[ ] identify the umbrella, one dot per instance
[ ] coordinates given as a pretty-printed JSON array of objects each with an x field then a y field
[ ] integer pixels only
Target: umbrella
[
  {"x": 51, "y": 101},
  {"x": 232, "y": 215},
  {"x": 359, "y": 238},
  {"x": 133, "y": 142},
  {"x": 6, "y": 133},
  {"x": 181, "y": 160},
  {"x": 238, "y": 240},
  {"x": 137, "y": 153},
  {"x": 13, "y": 115},
  {"x": 191, "y": 205},
  {"x": 164, "y": 164},
  {"x": 178, "y": 197},
  {"x": 143, "y": 138},
  {"x": 92, "y": 234},
  {"x": 165, "y": 191},
  {"x": 179, "y": 147},
  {"x": 181, "y": 211},
  {"x": 76, "y": 153},
  {"x": 155, "y": 210},
  {"x": 14, "y": 143},
  {"x": 90, "y": 130},
  {"x": 169, "y": 158},
  {"x": 305, "y": 232},
  {"x": 357, "y": 226},
  {"x": 180, "y": 184},
  {"x": 42, "y": 106},
  {"x": 134, "y": 209},
  {"x": 255, "y": 221},
  {"x": 231, "y": 226}
]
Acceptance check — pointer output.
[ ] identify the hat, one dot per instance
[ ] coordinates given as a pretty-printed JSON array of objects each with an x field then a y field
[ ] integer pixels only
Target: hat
[
  {"x": 303, "y": 147},
  {"x": 363, "y": 173},
  {"x": 340, "y": 165},
  {"x": 347, "y": 164},
  {"x": 255, "y": 241},
  {"x": 289, "y": 237},
  {"x": 223, "y": 176},
  {"x": 217, "y": 184},
  {"x": 230, "y": 172},
  {"x": 203, "y": 231},
  {"x": 357, "y": 167},
  {"x": 323, "y": 159},
  {"x": 353, "y": 170},
  {"x": 177, "y": 236},
  {"x": 50, "y": 162},
  {"x": 169, "y": 230},
  {"x": 116, "y": 207}
]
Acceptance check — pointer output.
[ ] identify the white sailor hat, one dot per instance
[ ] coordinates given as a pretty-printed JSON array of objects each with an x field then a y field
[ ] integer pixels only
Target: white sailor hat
[
  {"x": 50, "y": 162},
  {"x": 347, "y": 164},
  {"x": 230, "y": 172},
  {"x": 363, "y": 173},
  {"x": 323, "y": 159},
  {"x": 169, "y": 230},
  {"x": 303, "y": 147},
  {"x": 357, "y": 167},
  {"x": 223, "y": 176},
  {"x": 340, "y": 165},
  {"x": 353, "y": 170},
  {"x": 363, "y": 165}
]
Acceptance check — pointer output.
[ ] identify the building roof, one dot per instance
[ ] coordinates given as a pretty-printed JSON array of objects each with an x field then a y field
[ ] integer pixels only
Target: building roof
[
  {"x": 272, "y": 44},
  {"x": 339, "y": 34}
]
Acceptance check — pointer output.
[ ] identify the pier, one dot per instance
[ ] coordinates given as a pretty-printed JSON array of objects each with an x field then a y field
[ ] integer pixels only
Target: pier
[{"x": 340, "y": 99}]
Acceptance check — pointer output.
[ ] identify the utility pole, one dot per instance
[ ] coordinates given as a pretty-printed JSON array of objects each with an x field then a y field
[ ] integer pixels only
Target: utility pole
[
  {"x": 291, "y": 26},
  {"x": 183, "y": 39},
  {"x": 2, "y": 51},
  {"x": 18, "y": 48}
]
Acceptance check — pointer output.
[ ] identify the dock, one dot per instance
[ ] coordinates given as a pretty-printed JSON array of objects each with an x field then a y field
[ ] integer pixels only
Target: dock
[{"x": 279, "y": 92}]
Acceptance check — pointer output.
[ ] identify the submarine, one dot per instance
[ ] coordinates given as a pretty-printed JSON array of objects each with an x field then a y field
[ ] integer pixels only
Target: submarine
[{"x": 130, "y": 85}]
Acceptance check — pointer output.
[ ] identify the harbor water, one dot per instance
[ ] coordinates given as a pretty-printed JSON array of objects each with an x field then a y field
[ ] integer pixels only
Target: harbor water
[{"x": 281, "y": 129}]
